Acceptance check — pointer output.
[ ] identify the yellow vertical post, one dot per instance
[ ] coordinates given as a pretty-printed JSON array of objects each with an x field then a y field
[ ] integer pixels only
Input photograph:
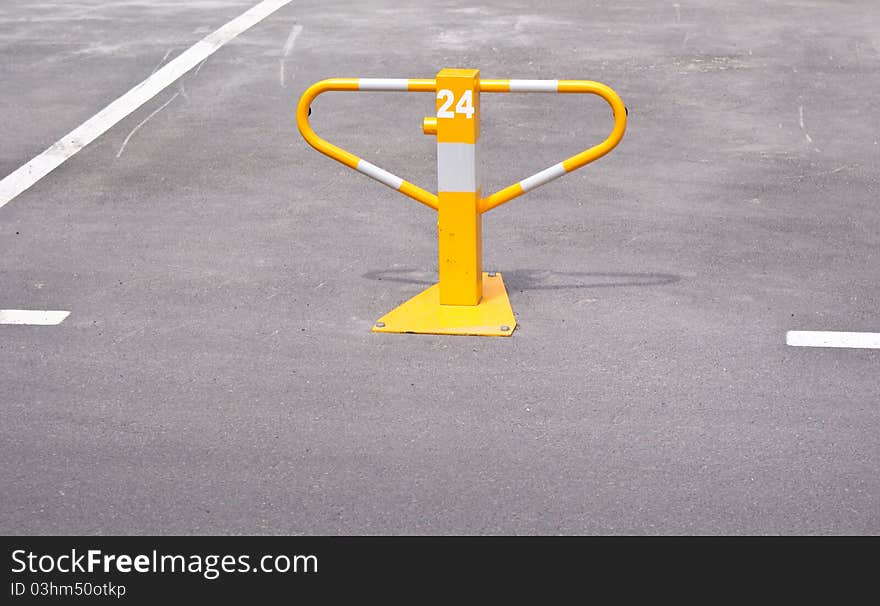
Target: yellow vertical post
[
  {"x": 466, "y": 301},
  {"x": 458, "y": 187}
]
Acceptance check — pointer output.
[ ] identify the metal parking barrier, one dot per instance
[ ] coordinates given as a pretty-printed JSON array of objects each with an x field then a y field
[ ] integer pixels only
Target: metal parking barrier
[{"x": 466, "y": 300}]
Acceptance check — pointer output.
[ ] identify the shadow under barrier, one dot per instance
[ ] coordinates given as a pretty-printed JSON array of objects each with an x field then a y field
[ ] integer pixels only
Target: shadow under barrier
[{"x": 539, "y": 279}]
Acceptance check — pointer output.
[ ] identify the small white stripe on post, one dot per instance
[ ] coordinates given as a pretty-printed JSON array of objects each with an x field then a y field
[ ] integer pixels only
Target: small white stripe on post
[
  {"x": 818, "y": 338},
  {"x": 545, "y": 176},
  {"x": 534, "y": 86},
  {"x": 32, "y": 317},
  {"x": 379, "y": 174},
  {"x": 457, "y": 167},
  {"x": 378, "y": 84}
]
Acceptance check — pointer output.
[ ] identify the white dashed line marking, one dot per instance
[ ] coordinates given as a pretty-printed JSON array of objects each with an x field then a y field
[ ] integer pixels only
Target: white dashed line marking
[
  {"x": 288, "y": 46},
  {"x": 32, "y": 317},
  {"x": 818, "y": 338}
]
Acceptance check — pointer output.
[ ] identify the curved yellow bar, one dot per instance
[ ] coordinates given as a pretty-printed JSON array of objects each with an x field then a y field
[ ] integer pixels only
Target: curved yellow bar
[
  {"x": 486, "y": 86},
  {"x": 573, "y": 163},
  {"x": 422, "y": 85},
  {"x": 340, "y": 155},
  {"x": 494, "y": 86}
]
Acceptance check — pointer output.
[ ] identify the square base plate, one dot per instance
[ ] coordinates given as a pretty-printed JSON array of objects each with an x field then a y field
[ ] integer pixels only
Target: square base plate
[{"x": 423, "y": 314}]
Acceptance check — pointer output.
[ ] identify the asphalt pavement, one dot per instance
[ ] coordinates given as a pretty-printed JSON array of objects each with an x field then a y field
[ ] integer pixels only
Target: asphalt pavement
[{"x": 217, "y": 373}]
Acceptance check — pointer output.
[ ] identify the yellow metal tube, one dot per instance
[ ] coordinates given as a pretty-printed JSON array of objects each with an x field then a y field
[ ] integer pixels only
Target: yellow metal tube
[
  {"x": 485, "y": 85},
  {"x": 422, "y": 85},
  {"x": 617, "y": 106},
  {"x": 305, "y": 129},
  {"x": 574, "y": 162},
  {"x": 340, "y": 155},
  {"x": 494, "y": 86}
]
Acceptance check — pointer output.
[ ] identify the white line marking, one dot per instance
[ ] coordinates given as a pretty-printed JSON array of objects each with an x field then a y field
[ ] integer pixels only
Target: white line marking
[
  {"x": 817, "y": 338},
  {"x": 25, "y": 176},
  {"x": 32, "y": 317},
  {"x": 801, "y": 122},
  {"x": 159, "y": 64},
  {"x": 144, "y": 121},
  {"x": 288, "y": 46}
]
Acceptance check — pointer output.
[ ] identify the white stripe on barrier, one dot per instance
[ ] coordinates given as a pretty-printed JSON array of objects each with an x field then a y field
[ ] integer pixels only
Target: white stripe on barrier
[
  {"x": 545, "y": 176},
  {"x": 457, "y": 167},
  {"x": 379, "y": 174},
  {"x": 818, "y": 338},
  {"x": 534, "y": 86},
  {"x": 398, "y": 84},
  {"x": 32, "y": 317}
]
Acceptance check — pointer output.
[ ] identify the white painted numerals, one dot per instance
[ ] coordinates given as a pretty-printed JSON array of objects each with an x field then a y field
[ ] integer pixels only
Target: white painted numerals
[{"x": 464, "y": 106}]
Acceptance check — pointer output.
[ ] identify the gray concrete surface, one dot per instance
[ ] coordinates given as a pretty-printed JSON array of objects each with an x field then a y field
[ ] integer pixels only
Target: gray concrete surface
[{"x": 217, "y": 374}]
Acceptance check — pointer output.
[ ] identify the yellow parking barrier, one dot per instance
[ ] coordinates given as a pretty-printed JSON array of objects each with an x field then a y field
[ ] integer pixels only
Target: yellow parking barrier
[{"x": 466, "y": 300}]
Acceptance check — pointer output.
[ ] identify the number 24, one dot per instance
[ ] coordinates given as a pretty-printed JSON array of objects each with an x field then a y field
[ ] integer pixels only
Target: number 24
[{"x": 464, "y": 106}]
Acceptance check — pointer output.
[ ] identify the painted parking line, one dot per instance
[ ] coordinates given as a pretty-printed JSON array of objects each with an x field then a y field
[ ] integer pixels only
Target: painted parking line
[
  {"x": 25, "y": 176},
  {"x": 819, "y": 338},
  {"x": 32, "y": 317}
]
